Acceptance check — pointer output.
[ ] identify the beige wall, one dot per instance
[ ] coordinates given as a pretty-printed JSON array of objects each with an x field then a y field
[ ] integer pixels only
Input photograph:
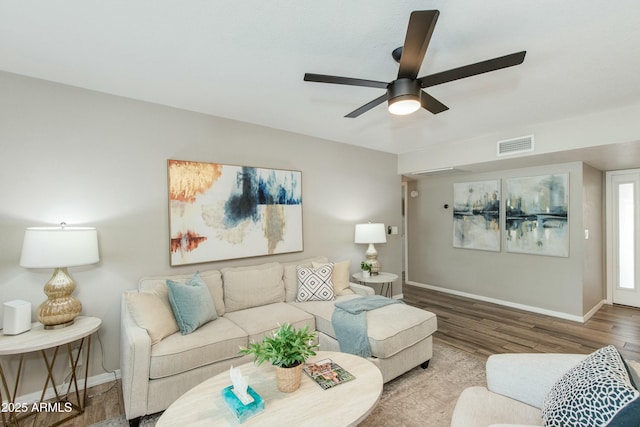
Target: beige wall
[
  {"x": 561, "y": 286},
  {"x": 593, "y": 218},
  {"x": 93, "y": 159}
]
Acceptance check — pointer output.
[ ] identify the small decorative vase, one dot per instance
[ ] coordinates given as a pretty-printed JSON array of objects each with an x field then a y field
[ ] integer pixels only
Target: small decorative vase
[
  {"x": 289, "y": 378},
  {"x": 366, "y": 273}
]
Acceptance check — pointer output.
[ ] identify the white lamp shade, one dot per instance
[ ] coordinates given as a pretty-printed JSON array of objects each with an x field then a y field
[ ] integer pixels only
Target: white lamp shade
[
  {"x": 54, "y": 247},
  {"x": 370, "y": 233}
]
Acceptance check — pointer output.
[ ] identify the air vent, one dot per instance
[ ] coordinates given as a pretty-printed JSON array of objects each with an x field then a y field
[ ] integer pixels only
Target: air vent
[{"x": 523, "y": 144}]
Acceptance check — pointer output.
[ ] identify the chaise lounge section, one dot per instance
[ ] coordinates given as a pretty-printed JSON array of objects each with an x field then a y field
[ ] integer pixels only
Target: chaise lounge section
[{"x": 159, "y": 363}]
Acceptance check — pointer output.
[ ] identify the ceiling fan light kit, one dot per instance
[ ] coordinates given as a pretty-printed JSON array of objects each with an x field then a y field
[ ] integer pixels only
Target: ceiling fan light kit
[{"x": 405, "y": 95}]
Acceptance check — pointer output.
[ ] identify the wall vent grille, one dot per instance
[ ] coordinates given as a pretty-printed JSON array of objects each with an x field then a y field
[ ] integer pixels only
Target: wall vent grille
[{"x": 523, "y": 144}]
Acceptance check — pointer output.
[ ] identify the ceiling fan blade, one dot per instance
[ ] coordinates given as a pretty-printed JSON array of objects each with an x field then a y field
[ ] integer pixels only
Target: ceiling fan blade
[
  {"x": 368, "y": 106},
  {"x": 419, "y": 31},
  {"x": 322, "y": 78},
  {"x": 473, "y": 69},
  {"x": 431, "y": 104}
]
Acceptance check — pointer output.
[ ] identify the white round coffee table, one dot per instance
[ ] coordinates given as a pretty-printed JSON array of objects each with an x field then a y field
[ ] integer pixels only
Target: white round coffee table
[{"x": 343, "y": 405}]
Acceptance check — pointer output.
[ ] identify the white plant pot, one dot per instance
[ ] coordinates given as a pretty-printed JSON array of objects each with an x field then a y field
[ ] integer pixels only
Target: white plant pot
[{"x": 366, "y": 273}]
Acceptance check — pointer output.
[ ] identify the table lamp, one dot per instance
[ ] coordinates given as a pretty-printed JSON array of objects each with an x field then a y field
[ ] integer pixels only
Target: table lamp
[
  {"x": 370, "y": 234},
  {"x": 59, "y": 248}
]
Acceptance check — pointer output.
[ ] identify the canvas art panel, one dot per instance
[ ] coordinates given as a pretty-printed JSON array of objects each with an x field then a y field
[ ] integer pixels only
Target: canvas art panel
[
  {"x": 219, "y": 212},
  {"x": 536, "y": 215},
  {"x": 476, "y": 215}
]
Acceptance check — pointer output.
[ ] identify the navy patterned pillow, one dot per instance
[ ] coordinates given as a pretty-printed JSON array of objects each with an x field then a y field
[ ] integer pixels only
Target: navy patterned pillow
[
  {"x": 596, "y": 392},
  {"x": 315, "y": 284}
]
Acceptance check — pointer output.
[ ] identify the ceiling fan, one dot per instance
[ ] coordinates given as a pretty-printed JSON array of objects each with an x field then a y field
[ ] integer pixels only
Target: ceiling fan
[{"x": 405, "y": 94}]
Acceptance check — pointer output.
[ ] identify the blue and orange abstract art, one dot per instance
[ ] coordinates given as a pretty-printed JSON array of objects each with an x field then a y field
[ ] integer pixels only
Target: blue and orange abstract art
[{"x": 219, "y": 212}]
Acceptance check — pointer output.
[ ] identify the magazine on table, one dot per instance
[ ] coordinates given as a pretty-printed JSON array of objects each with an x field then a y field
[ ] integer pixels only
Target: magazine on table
[{"x": 326, "y": 373}]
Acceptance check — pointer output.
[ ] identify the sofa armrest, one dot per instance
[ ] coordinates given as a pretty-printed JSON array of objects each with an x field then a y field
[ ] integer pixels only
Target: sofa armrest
[
  {"x": 361, "y": 289},
  {"x": 528, "y": 377},
  {"x": 135, "y": 359}
]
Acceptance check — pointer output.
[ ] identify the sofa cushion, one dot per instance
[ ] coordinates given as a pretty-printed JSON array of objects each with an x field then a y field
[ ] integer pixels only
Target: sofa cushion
[
  {"x": 391, "y": 329},
  {"x": 478, "y": 407},
  {"x": 151, "y": 311},
  {"x": 596, "y": 392},
  {"x": 191, "y": 304},
  {"x": 212, "y": 278},
  {"x": 213, "y": 342},
  {"x": 259, "y": 321},
  {"x": 246, "y": 287},
  {"x": 340, "y": 276},
  {"x": 315, "y": 284},
  {"x": 290, "y": 275}
]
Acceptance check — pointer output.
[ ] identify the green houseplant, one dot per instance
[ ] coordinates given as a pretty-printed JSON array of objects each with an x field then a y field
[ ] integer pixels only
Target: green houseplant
[
  {"x": 287, "y": 349},
  {"x": 366, "y": 268}
]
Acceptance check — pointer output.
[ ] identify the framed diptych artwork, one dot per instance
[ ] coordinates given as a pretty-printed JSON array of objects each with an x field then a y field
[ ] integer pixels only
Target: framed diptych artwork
[{"x": 220, "y": 212}]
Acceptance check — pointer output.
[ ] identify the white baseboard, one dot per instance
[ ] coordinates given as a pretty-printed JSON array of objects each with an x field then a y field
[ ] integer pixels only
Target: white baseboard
[
  {"x": 593, "y": 311},
  {"x": 62, "y": 388},
  {"x": 538, "y": 310}
]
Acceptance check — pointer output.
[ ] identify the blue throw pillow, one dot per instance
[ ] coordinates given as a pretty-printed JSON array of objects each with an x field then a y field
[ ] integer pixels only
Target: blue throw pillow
[
  {"x": 596, "y": 392},
  {"x": 191, "y": 304}
]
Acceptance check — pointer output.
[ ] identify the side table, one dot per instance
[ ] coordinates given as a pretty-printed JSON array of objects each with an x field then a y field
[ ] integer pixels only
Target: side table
[
  {"x": 47, "y": 341},
  {"x": 385, "y": 280}
]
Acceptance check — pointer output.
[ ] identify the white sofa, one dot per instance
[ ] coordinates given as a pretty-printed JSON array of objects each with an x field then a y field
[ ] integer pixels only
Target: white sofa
[
  {"x": 250, "y": 302},
  {"x": 517, "y": 385}
]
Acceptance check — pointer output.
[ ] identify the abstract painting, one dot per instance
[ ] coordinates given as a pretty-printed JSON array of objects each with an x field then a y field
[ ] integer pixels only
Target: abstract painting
[
  {"x": 476, "y": 215},
  {"x": 536, "y": 210},
  {"x": 219, "y": 212}
]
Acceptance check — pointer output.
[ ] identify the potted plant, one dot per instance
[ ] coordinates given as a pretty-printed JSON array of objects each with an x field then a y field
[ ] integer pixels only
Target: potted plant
[
  {"x": 366, "y": 269},
  {"x": 287, "y": 349}
]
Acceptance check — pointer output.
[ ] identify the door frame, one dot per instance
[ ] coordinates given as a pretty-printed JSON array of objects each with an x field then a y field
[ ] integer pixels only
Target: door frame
[{"x": 611, "y": 239}]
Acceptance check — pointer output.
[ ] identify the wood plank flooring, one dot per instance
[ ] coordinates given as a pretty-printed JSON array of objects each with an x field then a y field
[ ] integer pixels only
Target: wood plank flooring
[
  {"x": 104, "y": 402},
  {"x": 482, "y": 328},
  {"x": 476, "y": 327}
]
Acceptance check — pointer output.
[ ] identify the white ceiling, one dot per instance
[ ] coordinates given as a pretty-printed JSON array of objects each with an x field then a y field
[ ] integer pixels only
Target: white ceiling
[{"x": 245, "y": 60}]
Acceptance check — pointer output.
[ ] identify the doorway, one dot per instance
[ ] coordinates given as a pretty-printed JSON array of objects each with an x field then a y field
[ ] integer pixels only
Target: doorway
[{"x": 623, "y": 236}]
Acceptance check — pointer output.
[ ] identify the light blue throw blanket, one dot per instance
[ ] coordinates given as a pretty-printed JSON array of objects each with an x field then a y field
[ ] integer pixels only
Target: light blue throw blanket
[{"x": 349, "y": 320}]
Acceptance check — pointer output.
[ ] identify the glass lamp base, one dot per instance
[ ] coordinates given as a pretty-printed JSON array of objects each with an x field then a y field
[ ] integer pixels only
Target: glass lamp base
[{"x": 59, "y": 310}]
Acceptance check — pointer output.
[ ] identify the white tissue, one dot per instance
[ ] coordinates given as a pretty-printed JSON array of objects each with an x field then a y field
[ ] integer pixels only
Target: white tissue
[{"x": 240, "y": 385}]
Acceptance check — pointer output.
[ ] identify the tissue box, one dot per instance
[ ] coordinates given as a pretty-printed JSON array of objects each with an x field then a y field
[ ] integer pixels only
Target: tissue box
[
  {"x": 17, "y": 317},
  {"x": 239, "y": 409}
]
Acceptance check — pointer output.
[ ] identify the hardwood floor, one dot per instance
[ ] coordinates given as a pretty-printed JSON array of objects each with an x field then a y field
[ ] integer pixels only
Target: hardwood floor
[
  {"x": 476, "y": 327},
  {"x": 104, "y": 402},
  {"x": 482, "y": 328}
]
